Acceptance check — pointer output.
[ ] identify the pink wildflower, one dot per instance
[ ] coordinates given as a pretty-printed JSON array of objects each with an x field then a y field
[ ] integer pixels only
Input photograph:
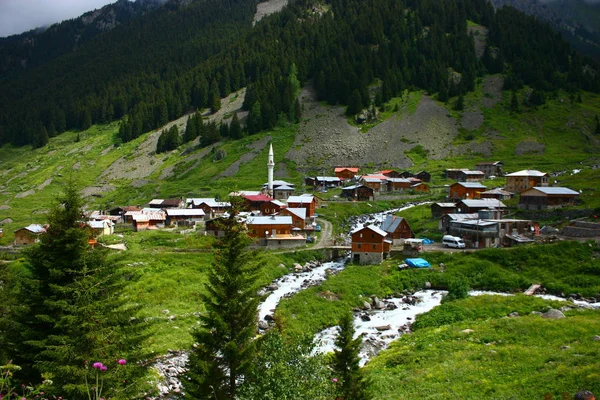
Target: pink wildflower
[
  {"x": 97, "y": 365},
  {"x": 122, "y": 361},
  {"x": 103, "y": 368},
  {"x": 334, "y": 380}
]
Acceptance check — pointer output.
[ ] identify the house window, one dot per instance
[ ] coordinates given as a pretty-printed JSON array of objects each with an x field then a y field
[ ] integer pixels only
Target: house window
[
  {"x": 361, "y": 235},
  {"x": 374, "y": 247},
  {"x": 359, "y": 246}
]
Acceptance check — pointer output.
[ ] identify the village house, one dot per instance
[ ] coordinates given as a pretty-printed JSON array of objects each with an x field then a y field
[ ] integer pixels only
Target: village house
[
  {"x": 102, "y": 227},
  {"x": 463, "y": 190},
  {"x": 520, "y": 181},
  {"x": 446, "y": 220},
  {"x": 167, "y": 203},
  {"x": 307, "y": 201},
  {"x": 420, "y": 187},
  {"x": 439, "y": 209},
  {"x": 497, "y": 193},
  {"x": 375, "y": 182},
  {"x": 253, "y": 202},
  {"x": 215, "y": 226},
  {"x": 542, "y": 198},
  {"x": 397, "y": 229},
  {"x": 29, "y": 234},
  {"x": 298, "y": 217},
  {"x": 370, "y": 245},
  {"x": 389, "y": 173},
  {"x": 346, "y": 173},
  {"x": 211, "y": 207},
  {"x": 424, "y": 176},
  {"x": 148, "y": 218},
  {"x": 272, "y": 207},
  {"x": 490, "y": 168},
  {"x": 323, "y": 182},
  {"x": 398, "y": 184},
  {"x": 275, "y": 231},
  {"x": 483, "y": 232},
  {"x": 121, "y": 211},
  {"x": 470, "y": 176},
  {"x": 358, "y": 193},
  {"x": 453, "y": 173},
  {"x": 185, "y": 216},
  {"x": 468, "y": 206}
]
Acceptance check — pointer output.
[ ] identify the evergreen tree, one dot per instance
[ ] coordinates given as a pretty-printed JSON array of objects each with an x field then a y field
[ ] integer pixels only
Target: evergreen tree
[
  {"x": 597, "y": 130},
  {"x": 353, "y": 384},
  {"x": 354, "y": 104},
  {"x": 514, "y": 101},
  {"x": 72, "y": 314},
  {"x": 254, "y": 120},
  {"x": 215, "y": 97},
  {"x": 224, "y": 347},
  {"x": 235, "y": 129},
  {"x": 459, "y": 105},
  {"x": 191, "y": 131}
]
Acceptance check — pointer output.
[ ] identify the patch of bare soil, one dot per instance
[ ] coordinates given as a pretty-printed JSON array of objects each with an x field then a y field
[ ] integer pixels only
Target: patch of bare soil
[
  {"x": 492, "y": 91},
  {"x": 44, "y": 184},
  {"x": 96, "y": 191},
  {"x": 472, "y": 120},
  {"x": 325, "y": 138},
  {"x": 25, "y": 194},
  {"x": 268, "y": 7},
  {"x": 529, "y": 147},
  {"x": 480, "y": 33}
]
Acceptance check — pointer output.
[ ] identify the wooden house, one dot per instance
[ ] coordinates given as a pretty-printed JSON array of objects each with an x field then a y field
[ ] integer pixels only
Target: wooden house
[
  {"x": 253, "y": 202},
  {"x": 453, "y": 173},
  {"x": 490, "y": 168},
  {"x": 272, "y": 207},
  {"x": 270, "y": 226},
  {"x": 298, "y": 217},
  {"x": 389, "y": 173},
  {"x": 397, "y": 229},
  {"x": 542, "y": 198},
  {"x": 470, "y": 176},
  {"x": 375, "y": 182},
  {"x": 167, "y": 203},
  {"x": 346, "y": 173},
  {"x": 398, "y": 184},
  {"x": 424, "y": 176},
  {"x": 189, "y": 215},
  {"x": 121, "y": 211},
  {"x": 420, "y": 187},
  {"x": 29, "y": 234},
  {"x": 148, "y": 219},
  {"x": 497, "y": 193},
  {"x": 439, "y": 209},
  {"x": 370, "y": 245},
  {"x": 323, "y": 182},
  {"x": 464, "y": 190},
  {"x": 406, "y": 174},
  {"x": 520, "y": 181},
  {"x": 303, "y": 201},
  {"x": 446, "y": 220},
  {"x": 216, "y": 226},
  {"x": 211, "y": 207},
  {"x": 468, "y": 206},
  {"x": 358, "y": 193}
]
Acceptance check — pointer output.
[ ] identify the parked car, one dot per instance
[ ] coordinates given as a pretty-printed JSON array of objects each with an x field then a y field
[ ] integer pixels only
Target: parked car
[
  {"x": 453, "y": 241},
  {"x": 318, "y": 228}
]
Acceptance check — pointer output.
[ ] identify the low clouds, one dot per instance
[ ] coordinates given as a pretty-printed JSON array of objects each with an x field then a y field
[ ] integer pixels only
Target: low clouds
[{"x": 17, "y": 16}]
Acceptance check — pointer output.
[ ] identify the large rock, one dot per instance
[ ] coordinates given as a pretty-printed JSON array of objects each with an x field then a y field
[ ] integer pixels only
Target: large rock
[
  {"x": 366, "y": 305},
  {"x": 553, "y": 314}
]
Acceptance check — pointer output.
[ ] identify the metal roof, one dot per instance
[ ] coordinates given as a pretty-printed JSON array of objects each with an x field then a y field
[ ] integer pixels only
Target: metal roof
[
  {"x": 300, "y": 199},
  {"x": 399, "y": 180},
  {"x": 34, "y": 228},
  {"x": 284, "y": 188},
  {"x": 446, "y": 204},
  {"x": 391, "y": 223},
  {"x": 528, "y": 172},
  {"x": 272, "y": 220},
  {"x": 483, "y": 203},
  {"x": 471, "y": 185},
  {"x": 351, "y": 169},
  {"x": 556, "y": 190},
  {"x": 473, "y": 172},
  {"x": 299, "y": 212},
  {"x": 373, "y": 228},
  {"x": 185, "y": 212},
  {"x": 328, "y": 178},
  {"x": 459, "y": 217}
]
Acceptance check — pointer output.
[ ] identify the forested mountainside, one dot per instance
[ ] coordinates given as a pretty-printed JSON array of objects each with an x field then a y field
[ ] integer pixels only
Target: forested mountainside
[
  {"x": 186, "y": 54},
  {"x": 577, "y": 20},
  {"x": 38, "y": 46}
]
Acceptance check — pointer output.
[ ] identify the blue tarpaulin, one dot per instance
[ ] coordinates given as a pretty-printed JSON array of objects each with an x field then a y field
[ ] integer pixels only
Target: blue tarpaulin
[
  {"x": 427, "y": 241},
  {"x": 417, "y": 262}
]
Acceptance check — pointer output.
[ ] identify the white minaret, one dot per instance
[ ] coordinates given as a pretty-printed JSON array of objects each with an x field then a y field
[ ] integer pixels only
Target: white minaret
[{"x": 270, "y": 166}]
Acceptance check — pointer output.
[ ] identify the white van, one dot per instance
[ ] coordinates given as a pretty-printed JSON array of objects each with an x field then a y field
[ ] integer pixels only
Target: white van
[{"x": 453, "y": 241}]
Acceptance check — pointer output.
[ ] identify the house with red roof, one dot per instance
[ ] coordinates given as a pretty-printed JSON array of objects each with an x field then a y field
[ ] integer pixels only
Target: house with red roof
[{"x": 346, "y": 173}]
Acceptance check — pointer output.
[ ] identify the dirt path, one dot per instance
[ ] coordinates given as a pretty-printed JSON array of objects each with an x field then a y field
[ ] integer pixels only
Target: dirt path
[{"x": 326, "y": 236}]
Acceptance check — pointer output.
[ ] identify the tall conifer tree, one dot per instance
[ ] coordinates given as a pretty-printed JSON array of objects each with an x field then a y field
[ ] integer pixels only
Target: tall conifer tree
[
  {"x": 72, "y": 313},
  {"x": 354, "y": 385},
  {"x": 224, "y": 348}
]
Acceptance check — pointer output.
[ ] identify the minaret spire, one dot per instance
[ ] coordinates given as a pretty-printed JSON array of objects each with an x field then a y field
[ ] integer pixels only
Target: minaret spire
[{"x": 270, "y": 167}]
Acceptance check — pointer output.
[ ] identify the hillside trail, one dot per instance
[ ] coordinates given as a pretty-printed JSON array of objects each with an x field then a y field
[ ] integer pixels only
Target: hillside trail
[{"x": 326, "y": 237}]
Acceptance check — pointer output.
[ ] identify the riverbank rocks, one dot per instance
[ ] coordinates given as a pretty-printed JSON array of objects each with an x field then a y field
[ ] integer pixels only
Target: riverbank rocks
[
  {"x": 553, "y": 314},
  {"x": 366, "y": 305},
  {"x": 383, "y": 328},
  {"x": 169, "y": 368},
  {"x": 365, "y": 317}
]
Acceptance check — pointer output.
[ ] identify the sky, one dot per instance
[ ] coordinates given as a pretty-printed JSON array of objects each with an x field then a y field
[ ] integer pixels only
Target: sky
[{"x": 17, "y": 16}]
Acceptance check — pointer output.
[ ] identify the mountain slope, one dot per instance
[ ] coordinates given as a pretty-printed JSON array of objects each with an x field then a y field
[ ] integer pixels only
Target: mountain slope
[{"x": 39, "y": 46}]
